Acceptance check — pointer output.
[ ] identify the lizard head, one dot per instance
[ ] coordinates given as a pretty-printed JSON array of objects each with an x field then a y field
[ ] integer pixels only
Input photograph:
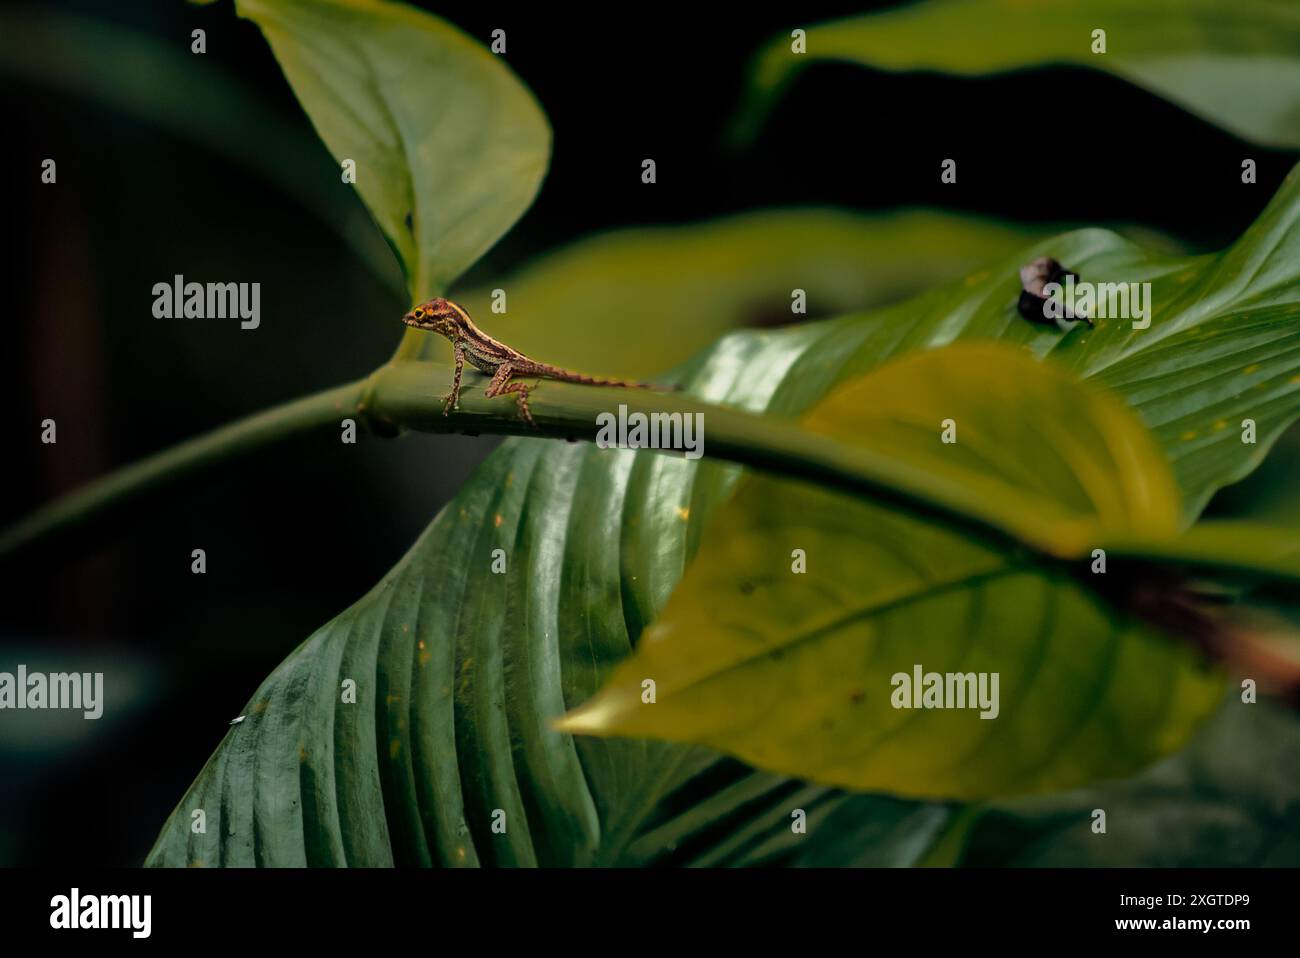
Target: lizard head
[{"x": 437, "y": 315}]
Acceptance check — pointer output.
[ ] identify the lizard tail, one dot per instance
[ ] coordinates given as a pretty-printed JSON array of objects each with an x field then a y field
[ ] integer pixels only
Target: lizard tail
[
  {"x": 591, "y": 381},
  {"x": 620, "y": 383}
]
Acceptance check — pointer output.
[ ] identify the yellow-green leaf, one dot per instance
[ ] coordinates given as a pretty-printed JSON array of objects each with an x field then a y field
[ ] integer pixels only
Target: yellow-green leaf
[{"x": 794, "y": 671}]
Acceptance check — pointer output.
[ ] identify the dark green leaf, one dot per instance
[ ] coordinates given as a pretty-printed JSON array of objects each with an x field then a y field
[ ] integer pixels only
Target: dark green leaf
[{"x": 1231, "y": 799}]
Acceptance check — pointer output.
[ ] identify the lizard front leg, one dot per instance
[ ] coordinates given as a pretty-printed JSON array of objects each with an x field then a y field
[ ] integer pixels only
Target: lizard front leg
[{"x": 452, "y": 399}]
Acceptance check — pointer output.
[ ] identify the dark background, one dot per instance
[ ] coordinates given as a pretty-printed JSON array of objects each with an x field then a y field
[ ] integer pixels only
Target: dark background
[{"x": 298, "y": 533}]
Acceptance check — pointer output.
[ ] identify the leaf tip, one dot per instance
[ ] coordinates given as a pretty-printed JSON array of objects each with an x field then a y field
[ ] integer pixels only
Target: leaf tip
[{"x": 597, "y": 716}]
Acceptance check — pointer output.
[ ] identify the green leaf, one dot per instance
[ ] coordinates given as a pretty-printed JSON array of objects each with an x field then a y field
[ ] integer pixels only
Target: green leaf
[
  {"x": 635, "y": 302},
  {"x": 1223, "y": 345},
  {"x": 1269, "y": 494},
  {"x": 596, "y": 542},
  {"x": 1236, "y": 65},
  {"x": 450, "y": 147},
  {"x": 449, "y": 723},
  {"x": 791, "y": 672}
]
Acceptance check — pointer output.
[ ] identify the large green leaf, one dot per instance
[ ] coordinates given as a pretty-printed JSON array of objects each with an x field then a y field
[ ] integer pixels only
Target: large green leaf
[
  {"x": 596, "y": 541},
  {"x": 790, "y": 668},
  {"x": 1235, "y": 64},
  {"x": 450, "y": 721},
  {"x": 450, "y": 148}
]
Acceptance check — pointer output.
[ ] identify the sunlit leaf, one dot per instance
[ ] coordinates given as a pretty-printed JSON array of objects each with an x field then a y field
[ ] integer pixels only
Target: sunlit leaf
[{"x": 784, "y": 640}]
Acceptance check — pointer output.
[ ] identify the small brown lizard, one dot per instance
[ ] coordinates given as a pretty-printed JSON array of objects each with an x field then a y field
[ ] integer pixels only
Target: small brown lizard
[{"x": 495, "y": 358}]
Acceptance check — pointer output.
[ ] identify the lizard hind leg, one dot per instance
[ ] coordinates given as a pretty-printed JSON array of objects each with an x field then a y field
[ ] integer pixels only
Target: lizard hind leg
[
  {"x": 501, "y": 384},
  {"x": 499, "y": 379},
  {"x": 523, "y": 389}
]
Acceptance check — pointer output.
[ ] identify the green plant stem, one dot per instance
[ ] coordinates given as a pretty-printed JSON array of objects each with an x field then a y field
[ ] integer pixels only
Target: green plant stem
[
  {"x": 118, "y": 491},
  {"x": 409, "y": 396},
  {"x": 1221, "y": 546}
]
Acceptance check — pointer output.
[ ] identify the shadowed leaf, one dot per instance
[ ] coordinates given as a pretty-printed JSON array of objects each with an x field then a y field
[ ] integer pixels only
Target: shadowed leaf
[{"x": 1236, "y": 65}]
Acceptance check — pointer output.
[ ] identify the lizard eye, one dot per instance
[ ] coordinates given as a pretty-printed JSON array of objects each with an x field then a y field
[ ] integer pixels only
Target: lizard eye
[{"x": 419, "y": 314}]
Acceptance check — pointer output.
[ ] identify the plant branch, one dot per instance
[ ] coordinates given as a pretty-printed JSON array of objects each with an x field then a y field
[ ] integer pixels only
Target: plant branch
[
  {"x": 408, "y": 396},
  {"x": 1221, "y": 546},
  {"x": 119, "y": 490}
]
